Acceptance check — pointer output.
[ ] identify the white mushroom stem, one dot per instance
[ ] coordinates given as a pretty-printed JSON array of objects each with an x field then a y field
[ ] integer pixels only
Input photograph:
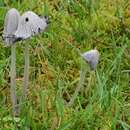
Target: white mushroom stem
[
  {"x": 91, "y": 82},
  {"x": 80, "y": 85},
  {"x": 26, "y": 71},
  {"x": 13, "y": 79}
]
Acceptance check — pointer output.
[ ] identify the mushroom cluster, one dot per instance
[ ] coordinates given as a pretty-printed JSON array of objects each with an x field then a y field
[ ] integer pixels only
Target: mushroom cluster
[{"x": 17, "y": 28}]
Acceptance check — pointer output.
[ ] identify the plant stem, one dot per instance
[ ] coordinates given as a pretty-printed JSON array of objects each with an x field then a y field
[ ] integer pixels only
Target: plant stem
[
  {"x": 13, "y": 79},
  {"x": 26, "y": 71}
]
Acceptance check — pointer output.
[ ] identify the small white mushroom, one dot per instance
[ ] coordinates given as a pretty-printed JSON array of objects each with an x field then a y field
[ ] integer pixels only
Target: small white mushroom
[
  {"x": 10, "y": 27},
  {"x": 92, "y": 57}
]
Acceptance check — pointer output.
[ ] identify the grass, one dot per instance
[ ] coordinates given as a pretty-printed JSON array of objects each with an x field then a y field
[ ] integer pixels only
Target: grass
[{"x": 55, "y": 67}]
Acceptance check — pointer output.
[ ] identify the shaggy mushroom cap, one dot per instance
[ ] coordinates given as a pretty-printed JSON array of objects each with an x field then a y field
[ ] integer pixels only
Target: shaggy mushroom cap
[{"x": 30, "y": 24}]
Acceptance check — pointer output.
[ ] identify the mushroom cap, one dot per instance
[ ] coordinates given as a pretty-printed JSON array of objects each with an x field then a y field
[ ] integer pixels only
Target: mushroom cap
[
  {"x": 30, "y": 24},
  {"x": 92, "y": 57},
  {"x": 10, "y": 26}
]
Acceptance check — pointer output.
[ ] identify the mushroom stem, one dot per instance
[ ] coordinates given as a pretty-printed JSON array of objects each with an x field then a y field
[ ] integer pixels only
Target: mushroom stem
[
  {"x": 13, "y": 79},
  {"x": 91, "y": 83},
  {"x": 80, "y": 85},
  {"x": 26, "y": 71}
]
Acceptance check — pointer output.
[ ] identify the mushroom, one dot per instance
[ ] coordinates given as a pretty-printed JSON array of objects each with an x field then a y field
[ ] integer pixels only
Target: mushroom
[
  {"x": 92, "y": 58},
  {"x": 30, "y": 24},
  {"x": 10, "y": 27}
]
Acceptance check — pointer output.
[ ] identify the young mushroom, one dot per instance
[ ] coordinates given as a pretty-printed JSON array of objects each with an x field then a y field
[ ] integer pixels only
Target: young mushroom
[
  {"x": 92, "y": 58},
  {"x": 10, "y": 27}
]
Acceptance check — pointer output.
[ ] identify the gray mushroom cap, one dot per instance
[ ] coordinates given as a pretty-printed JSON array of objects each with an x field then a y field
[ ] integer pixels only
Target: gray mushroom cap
[
  {"x": 92, "y": 57},
  {"x": 30, "y": 24},
  {"x": 10, "y": 26}
]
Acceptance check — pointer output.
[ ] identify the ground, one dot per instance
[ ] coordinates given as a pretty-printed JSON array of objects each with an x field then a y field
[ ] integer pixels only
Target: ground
[{"x": 57, "y": 69}]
